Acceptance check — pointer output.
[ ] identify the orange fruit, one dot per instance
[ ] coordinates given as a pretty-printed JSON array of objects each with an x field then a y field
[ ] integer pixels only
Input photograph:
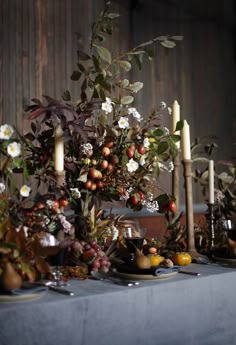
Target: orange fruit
[{"x": 155, "y": 259}]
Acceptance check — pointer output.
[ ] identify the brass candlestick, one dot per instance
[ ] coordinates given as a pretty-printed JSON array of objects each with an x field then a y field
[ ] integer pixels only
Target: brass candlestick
[
  {"x": 187, "y": 164},
  {"x": 176, "y": 179}
]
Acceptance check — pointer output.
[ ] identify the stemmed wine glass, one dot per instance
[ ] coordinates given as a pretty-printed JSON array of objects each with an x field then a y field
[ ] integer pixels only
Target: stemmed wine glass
[
  {"x": 134, "y": 237},
  {"x": 56, "y": 262}
]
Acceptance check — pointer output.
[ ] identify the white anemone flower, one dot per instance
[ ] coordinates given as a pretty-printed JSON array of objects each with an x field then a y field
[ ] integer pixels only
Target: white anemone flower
[
  {"x": 14, "y": 149},
  {"x": 123, "y": 122},
  {"x": 25, "y": 191},
  {"x": 6, "y": 132},
  {"x": 107, "y": 106},
  {"x": 132, "y": 165}
]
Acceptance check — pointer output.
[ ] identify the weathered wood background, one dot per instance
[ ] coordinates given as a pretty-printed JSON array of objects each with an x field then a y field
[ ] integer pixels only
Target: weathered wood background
[{"x": 38, "y": 44}]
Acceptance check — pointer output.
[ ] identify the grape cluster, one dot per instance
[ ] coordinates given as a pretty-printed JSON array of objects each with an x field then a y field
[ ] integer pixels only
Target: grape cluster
[{"x": 92, "y": 254}]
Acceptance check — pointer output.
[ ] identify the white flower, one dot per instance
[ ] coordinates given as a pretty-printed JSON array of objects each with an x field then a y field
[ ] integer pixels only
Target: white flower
[
  {"x": 169, "y": 110},
  {"x": 171, "y": 167},
  {"x": 163, "y": 105},
  {"x": 107, "y": 106},
  {"x": 123, "y": 122},
  {"x": 142, "y": 160},
  {"x": 86, "y": 148},
  {"x": 6, "y": 132},
  {"x": 135, "y": 113},
  {"x": 2, "y": 187},
  {"x": 132, "y": 165},
  {"x": 64, "y": 222},
  {"x": 25, "y": 191},
  {"x": 167, "y": 132},
  {"x": 14, "y": 149},
  {"x": 75, "y": 193},
  {"x": 146, "y": 143}
]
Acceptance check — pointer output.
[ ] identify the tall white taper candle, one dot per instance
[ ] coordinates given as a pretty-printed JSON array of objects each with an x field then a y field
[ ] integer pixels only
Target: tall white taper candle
[
  {"x": 185, "y": 141},
  {"x": 211, "y": 181},
  {"x": 59, "y": 150},
  {"x": 175, "y": 118}
]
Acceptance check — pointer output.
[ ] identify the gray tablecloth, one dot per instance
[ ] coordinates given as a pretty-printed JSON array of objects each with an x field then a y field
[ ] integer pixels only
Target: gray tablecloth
[{"x": 183, "y": 309}]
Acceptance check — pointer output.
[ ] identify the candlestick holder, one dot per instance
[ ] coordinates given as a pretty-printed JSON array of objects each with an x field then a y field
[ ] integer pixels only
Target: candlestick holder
[
  {"x": 60, "y": 177},
  {"x": 211, "y": 225},
  {"x": 176, "y": 179},
  {"x": 196, "y": 257}
]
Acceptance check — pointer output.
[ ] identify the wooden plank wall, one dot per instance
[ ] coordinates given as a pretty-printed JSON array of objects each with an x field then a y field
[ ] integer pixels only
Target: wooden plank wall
[{"x": 38, "y": 44}]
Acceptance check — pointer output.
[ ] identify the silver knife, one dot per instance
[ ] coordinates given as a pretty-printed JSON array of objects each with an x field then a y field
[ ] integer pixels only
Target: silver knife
[
  {"x": 190, "y": 273},
  {"x": 61, "y": 290}
]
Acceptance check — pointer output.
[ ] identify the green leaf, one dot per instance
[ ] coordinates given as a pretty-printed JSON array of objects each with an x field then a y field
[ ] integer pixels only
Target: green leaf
[
  {"x": 83, "y": 56},
  {"x": 179, "y": 125},
  {"x": 175, "y": 138},
  {"x": 138, "y": 60},
  {"x": 96, "y": 63},
  {"x": 112, "y": 15},
  {"x": 125, "y": 65},
  {"x": 75, "y": 75},
  {"x": 162, "y": 147},
  {"x": 66, "y": 95},
  {"x": 104, "y": 53},
  {"x": 81, "y": 67},
  {"x": 127, "y": 99},
  {"x": 159, "y": 132},
  {"x": 135, "y": 87}
]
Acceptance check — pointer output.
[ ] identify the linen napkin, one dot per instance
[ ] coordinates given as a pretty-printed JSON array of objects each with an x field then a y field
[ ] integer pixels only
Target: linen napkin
[{"x": 155, "y": 271}]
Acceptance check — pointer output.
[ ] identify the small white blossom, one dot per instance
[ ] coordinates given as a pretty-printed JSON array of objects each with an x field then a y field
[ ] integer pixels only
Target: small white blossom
[
  {"x": 107, "y": 106},
  {"x": 152, "y": 206},
  {"x": 135, "y": 113},
  {"x": 14, "y": 149},
  {"x": 163, "y": 105},
  {"x": 123, "y": 122},
  {"x": 142, "y": 160},
  {"x": 86, "y": 148},
  {"x": 64, "y": 222},
  {"x": 50, "y": 203},
  {"x": 6, "y": 132},
  {"x": 2, "y": 187},
  {"x": 132, "y": 165},
  {"x": 75, "y": 193},
  {"x": 169, "y": 110},
  {"x": 167, "y": 132},
  {"x": 25, "y": 191},
  {"x": 171, "y": 167},
  {"x": 146, "y": 143}
]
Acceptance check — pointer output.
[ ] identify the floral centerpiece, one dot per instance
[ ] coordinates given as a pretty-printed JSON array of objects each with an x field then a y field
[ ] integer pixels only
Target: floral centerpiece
[{"x": 110, "y": 151}]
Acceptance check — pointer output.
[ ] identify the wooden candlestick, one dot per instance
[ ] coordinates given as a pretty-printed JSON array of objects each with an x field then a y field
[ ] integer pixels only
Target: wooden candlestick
[
  {"x": 196, "y": 257},
  {"x": 176, "y": 179},
  {"x": 60, "y": 177}
]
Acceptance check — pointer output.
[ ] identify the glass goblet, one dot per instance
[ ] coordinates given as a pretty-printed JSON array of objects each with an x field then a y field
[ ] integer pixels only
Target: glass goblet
[
  {"x": 56, "y": 262},
  {"x": 134, "y": 238}
]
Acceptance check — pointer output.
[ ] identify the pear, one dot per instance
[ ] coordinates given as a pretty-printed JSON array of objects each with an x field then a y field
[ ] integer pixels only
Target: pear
[
  {"x": 140, "y": 260},
  {"x": 10, "y": 279}
]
